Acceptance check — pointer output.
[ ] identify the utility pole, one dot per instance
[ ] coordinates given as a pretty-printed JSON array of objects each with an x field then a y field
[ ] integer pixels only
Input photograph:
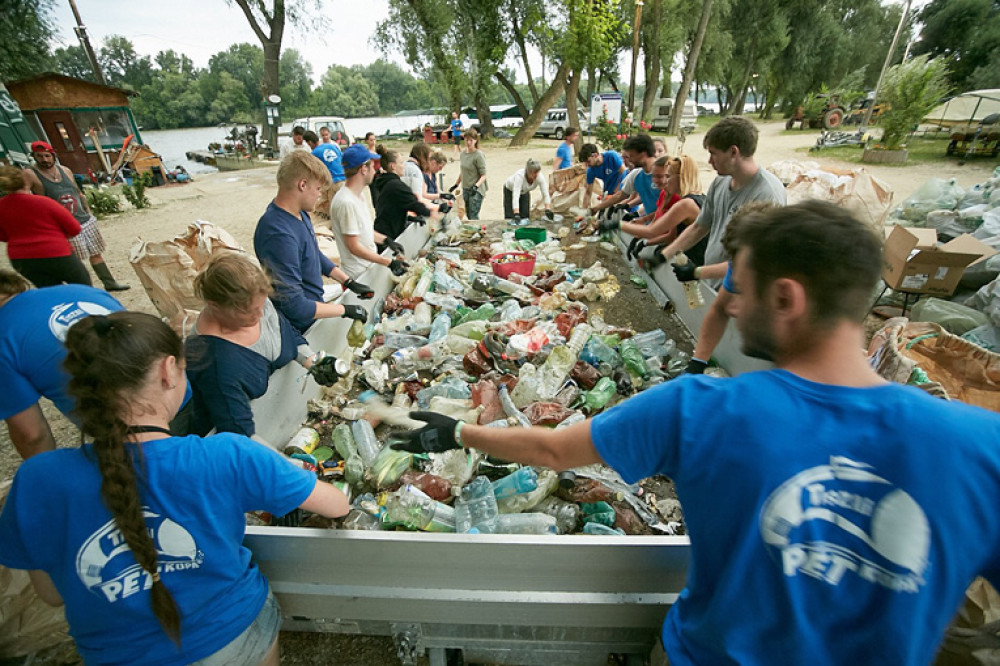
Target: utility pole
[
  {"x": 885, "y": 67},
  {"x": 635, "y": 55},
  {"x": 81, "y": 33}
]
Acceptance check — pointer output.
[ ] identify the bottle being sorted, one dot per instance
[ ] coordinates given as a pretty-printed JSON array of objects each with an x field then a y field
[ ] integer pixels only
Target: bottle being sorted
[
  {"x": 414, "y": 509},
  {"x": 476, "y": 508},
  {"x": 522, "y": 481}
]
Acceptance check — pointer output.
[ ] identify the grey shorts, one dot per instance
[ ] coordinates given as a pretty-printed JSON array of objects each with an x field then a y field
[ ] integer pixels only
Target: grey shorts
[
  {"x": 89, "y": 241},
  {"x": 252, "y": 645}
]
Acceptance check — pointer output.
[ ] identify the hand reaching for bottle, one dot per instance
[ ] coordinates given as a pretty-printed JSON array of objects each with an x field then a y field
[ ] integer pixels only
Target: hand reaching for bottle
[{"x": 435, "y": 437}]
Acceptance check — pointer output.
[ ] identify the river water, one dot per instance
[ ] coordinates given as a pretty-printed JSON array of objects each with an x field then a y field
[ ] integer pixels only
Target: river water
[{"x": 173, "y": 144}]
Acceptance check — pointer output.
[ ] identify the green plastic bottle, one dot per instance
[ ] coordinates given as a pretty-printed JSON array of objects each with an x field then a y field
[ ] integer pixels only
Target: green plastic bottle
[
  {"x": 356, "y": 334},
  {"x": 596, "y": 398},
  {"x": 343, "y": 441},
  {"x": 633, "y": 359}
]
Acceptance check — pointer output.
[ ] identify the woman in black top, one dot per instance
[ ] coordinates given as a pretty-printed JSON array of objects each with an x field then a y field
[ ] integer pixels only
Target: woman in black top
[{"x": 395, "y": 198}]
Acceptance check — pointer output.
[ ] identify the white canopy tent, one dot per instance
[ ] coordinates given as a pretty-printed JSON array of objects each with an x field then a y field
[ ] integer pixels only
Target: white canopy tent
[{"x": 966, "y": 109}]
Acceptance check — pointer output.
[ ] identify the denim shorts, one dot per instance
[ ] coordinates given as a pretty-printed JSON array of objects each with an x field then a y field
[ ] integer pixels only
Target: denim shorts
[{"x": 252, "y": 645}]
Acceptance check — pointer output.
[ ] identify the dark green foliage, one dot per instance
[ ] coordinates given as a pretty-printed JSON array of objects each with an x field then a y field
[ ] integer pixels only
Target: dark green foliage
[
  {"x": 103, "y": 202},
  {"x": 136, "y": 192}
]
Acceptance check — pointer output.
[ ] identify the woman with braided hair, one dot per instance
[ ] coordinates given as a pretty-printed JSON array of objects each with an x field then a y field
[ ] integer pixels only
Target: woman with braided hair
[{"x": 141, "y": 532}]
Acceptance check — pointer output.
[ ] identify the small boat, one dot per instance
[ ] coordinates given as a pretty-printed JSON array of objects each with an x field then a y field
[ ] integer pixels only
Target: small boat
[{"x": 238, "y": 161}]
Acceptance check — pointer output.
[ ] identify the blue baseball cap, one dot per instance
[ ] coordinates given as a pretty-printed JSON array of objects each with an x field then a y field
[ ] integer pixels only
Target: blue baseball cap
[{"x": 356, "y": 155}]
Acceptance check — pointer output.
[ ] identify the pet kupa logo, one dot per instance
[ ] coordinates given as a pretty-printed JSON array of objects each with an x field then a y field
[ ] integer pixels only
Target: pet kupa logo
[
  {"x": 105, "y": 563},
  {"x": 65, "y": 315},
  {"x": 831, "y": 520}
]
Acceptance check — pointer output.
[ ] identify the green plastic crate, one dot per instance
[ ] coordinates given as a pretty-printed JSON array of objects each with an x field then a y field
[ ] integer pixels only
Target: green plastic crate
[{"x": 536, "y": 234}]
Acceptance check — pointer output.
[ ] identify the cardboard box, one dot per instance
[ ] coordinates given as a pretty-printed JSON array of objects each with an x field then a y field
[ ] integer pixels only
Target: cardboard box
[{"x": 915, "y": 263}]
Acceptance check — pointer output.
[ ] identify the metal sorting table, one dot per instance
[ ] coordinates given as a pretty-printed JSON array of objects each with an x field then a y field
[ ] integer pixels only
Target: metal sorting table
[{"x": 499, "y": 598}]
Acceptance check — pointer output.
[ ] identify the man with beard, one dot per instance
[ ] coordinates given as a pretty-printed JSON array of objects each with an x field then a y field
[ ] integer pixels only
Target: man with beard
[
  {"x": 834, "y": 517},
  {"x": 56, "y": 182}
]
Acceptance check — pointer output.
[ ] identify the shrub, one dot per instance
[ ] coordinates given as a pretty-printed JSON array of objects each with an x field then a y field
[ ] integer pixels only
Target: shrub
[
  {"x": 103, "y": 202},
  {"x": 136, "y": 193},
  {"x": 912, "y": 89},
  {"x": 610, "y": 136}
]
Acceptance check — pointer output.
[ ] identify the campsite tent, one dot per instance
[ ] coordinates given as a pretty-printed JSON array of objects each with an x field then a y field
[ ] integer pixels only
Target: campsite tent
[{"x": 966, "y": 109}]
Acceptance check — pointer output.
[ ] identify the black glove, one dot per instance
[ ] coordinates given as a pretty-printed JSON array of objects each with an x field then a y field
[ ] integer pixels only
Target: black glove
[
  {"x": 634, "y": 248},
  {"x": 324, "y": 371},
  {"x": 447, "y": 196},
  {"x": 628, "y": 217},
  {"x": 437, "y": 436},
  {"x": 685, "y": 273},
  {"x": 421, "y": 221},
  {"x": 653, "y": 262},
  {"x": 453, "y": 188},
  {"x": 608, "y": 225},
  {"x": 444, "y": 207},
  {"x": 620, "y": 207},
  {"x": 549, "y": 214},
  {"x": 355, "y": 312},
  {"x": 362, "y": 290},
  {"x": 395, "y": 246},
  {"x": 397, "y": 267},
  {"x": 696, "y": 367}
]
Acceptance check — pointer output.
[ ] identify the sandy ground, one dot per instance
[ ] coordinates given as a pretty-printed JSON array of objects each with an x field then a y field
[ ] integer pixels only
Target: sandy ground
[{"x": 235, "y": 201}]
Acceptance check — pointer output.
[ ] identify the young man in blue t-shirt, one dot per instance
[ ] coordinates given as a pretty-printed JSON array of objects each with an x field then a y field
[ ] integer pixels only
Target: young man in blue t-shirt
[
  {"x": 564, "y": 153},
  {"x": 456, "y": 131},
  {"x": 33, "y": 327},
  {"x": 286, "y": 246},
  {"x": 607, "y": 166},
  {"x": 822, "y": 530},
  {"x": 640, "y": 152}
]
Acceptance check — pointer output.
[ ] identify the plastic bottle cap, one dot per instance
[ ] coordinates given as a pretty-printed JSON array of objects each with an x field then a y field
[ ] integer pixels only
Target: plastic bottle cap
[{"x": 473, "y": 530}]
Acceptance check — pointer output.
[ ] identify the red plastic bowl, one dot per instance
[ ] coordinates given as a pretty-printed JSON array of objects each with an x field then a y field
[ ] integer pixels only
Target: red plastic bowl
[{"x": 523, "y": 267}]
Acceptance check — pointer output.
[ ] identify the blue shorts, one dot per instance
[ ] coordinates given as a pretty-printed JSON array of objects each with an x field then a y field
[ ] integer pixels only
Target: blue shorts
[{"x": 252, "y": 645}]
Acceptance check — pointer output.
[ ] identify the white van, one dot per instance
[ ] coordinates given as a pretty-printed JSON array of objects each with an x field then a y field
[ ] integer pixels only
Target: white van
[
  {"x": 335, "y": 123},
  {"x": 556, "y": 122},
  {"x": 662, "y": 109}
]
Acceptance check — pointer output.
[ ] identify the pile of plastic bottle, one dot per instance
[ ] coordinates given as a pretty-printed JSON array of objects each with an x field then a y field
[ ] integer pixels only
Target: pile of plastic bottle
[{"x": 456, "y": 339}]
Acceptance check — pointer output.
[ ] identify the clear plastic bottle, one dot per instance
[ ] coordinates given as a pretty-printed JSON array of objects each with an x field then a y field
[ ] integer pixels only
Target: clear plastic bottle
[
  {"x": 354, "y": 470},
  {"x": 567, "y": 514},
  {"x": 523, "y": 480},
  {"x": 511, "y": 410},
  {"x": 476, "y": 507},
  {"x": 440, "y": 326},
  {"x": 445, "y": 302},
  {"x": 450, "y": 387},
  {"x": 546, "y": 485},
  {"x": 596, "y": 529},
  {"x": 526, "y": 523},
  {"x": 596, "y": 352},
  {"x": 423, "y": 284},
  {"x": 474, "y": 330},
  {"x": 526, "y": 391},
  {"x": 414, "y": 509},
  {"x": 574, "y": 418},
  {"x": 581, "y": 334},
  {"x": 364, "y": 437},
  {"x": 678, "y": 364},
  {"x": 553, "y": 373},
  {"x": 510, "y": 310},
  {"x": 422, "y": 314},
  {"x": 396, "y": 324}
]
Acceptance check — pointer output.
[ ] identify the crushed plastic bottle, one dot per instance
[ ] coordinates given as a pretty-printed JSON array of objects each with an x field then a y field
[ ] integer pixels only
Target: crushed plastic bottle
[
  {"x": 597, "y": 529},
  {"x": 450, "y": 387},
  {"x": 364, "y": 437},
  {"x": 422, "y": 314},
  {"x": 440, "y": 326},
  {"x": 446, "y": 302},
  {"x": 433, "y": 486},
  {"x": 484, "y": 313},
  {"x": 511, "y": 410},
  {"x": 520, "y": 502},
  {"x": 596, "y": 352},
  {"x": 476, "y": 507},
  {"x": 510, "y": 310},
  {"x": 581, "y": 334},
  {"x": 632, "y": 358},
  {"x": 526, "y": 523},
  {"x": 523, "y": 480},
  {"x": 553, "y": 373},
  {"x": 343, "y": 441},
  {"x": 566, "y": 514},
  {"x": 595, "y": 399},
  {"x": 678, "y": 364},
  {"x": 356, "y": 334},
  {"x": 414, "y": 509},
  {"x": 423, "y": 284}
]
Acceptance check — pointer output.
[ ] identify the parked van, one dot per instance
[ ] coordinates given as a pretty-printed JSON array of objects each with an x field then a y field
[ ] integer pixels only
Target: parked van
[
  {"x": 335, "y": 123},
  {"x": 662, "y": 109},
  {"x": 556, "y": 122}
]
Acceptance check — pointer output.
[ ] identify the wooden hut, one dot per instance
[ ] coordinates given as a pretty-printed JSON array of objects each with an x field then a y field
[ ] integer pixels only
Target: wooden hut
[{"x": 86, "y": 123}]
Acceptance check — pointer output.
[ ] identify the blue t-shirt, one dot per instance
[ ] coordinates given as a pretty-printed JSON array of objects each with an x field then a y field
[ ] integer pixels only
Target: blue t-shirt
[
  {"x": 33, "y": 327},
  {"x": 287, "y": 247},
  {"x": 727, "y": 281},
  {"x": 609, "y": 171},
  {"x": 564, "y": 157},
  {"x": 456, "y": 128},
  {"x": 330, "y": 154},
  {"x": 828, "y": 524},
  {"x": 643, "y": 183},
  {"x": 194, "y": 496}
]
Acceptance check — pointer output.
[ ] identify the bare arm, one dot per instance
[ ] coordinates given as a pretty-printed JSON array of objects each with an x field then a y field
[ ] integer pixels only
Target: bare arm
[
  {"x": 684, "y": 210},
  {"x": 30, "y": 432},
  {"x": 713, "y": 326},
  {"x": 712, "y": 271},
  {"x": 339, "y": 275},
  {"x": 558, "y": 449},
  {"x": 608, "y": 201},
  {"x": 355, "y": 247},
  {"x": 31, "y": 178},
  {"x": 326, "y": 501},
  {"x": 45, "y": 588}
]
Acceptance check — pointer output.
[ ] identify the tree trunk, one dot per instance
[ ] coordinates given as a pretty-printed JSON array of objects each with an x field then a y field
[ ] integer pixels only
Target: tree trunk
[
  {"x": 545, "y": 102},
  {"x": 270, "y": 41},
  {"x": 572, "y": 108},
  {"x": 506, "y": 83},
  {"x": 522, "y": 47},
  {"x": 485, "y": 118},
  {"x": 689, "y": 69},
  {"x": 741, "y": 97},
  {"x": 611, "y": 80},
  {"x": 651, "y": 56}
]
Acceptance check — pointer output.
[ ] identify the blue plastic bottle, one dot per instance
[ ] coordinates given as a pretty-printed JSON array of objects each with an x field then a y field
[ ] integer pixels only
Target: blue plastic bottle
[
  {"x": 523, "y": 480},
  {"x": 476, "y": 508}
]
